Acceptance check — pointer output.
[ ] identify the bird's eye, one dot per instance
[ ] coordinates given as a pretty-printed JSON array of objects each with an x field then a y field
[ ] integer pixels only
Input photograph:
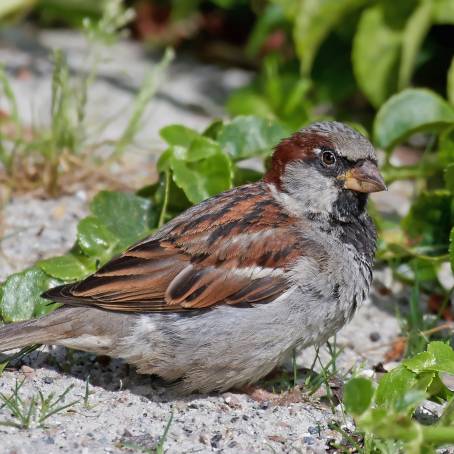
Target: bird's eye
[{"x": 328, "y": 158}]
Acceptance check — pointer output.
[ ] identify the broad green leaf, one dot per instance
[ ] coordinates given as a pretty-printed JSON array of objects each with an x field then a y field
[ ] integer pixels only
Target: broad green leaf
[
  {"x": 414, "y": 33},
  {"x": 358, "y": 393},
  {"x": 249, "y": 136},
  {"x": 438, "y": 389},
  {"x": 410, "y": 400},
  {"x": 128, "y": 216},
  {"x": 429, "y": 219},
  {"x": 446, "y": 146},
  {"x": 443, "y": 11},
  {"x": 375, "y": 55},
  {"x": 410, "y": 111},
  {"x": 247, "y": 102},
  {"x": 178, "y": 135},
  {"x": 164, "y": 160},
  {"x": 393, "y": 386},
  {"x": 425, "y": 380},
  {"x": 450, "y": 86},
  {"x": 420, "y": 362},
  {"x": 70, "y": 267},
  {"x": 201, "y": 148},
  {"x": 95, "y": 239},
  {"x": 20, "y": 295},
  {"x": 444, "y": 356},
  {"x": 202, "y": 179},
  {"x": 314, "y": 21},
  {"x": 244, "y": 176},
  {"x": 439, "y": 357},
  {"x": 213, "y": 129}
]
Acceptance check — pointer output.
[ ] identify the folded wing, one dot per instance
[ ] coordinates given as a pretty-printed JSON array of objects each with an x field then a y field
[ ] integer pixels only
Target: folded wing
[{"x": 235, "y": 248}]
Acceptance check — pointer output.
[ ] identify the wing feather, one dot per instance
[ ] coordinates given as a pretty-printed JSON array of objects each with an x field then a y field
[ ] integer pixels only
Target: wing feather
[{"x": 231, "y": 249}]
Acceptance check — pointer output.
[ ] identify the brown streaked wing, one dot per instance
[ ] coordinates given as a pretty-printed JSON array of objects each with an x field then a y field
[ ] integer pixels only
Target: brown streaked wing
[{"x": 231, "y": 249}]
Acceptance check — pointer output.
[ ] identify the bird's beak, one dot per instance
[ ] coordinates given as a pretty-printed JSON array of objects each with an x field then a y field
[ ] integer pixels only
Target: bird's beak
[{"x": 364, "y": 177}]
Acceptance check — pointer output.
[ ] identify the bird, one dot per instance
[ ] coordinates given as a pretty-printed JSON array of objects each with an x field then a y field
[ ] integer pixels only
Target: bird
[{"x": 220, "y": 295}]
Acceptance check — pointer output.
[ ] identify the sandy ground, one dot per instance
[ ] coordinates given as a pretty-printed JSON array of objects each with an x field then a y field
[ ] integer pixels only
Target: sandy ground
[{"x": 126, "y": 412}]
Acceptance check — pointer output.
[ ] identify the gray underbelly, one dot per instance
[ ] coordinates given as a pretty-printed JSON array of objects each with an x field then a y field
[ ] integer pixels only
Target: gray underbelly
[{"x": 230, "y": 345}]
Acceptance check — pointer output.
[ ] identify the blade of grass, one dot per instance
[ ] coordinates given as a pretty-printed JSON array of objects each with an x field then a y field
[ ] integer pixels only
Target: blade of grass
[
  {"x": 146, "y": 93},
  {"x": 162, "y": 440}
]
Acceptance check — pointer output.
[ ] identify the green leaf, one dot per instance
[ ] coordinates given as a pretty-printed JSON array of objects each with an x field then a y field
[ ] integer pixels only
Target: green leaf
[
  {"x": 439, "y": 357},
  {"x": 212, "y": 130},
  {"x": 447, "y": 417},
  {"x": 393, "y": 386},
  {"x": 70, "y": 267},
  {"x": 95, "y": 239},
  {"x": 20, "y": 295},
  {"x": 129, "y": 217},
  {"x": 375, "y": 55},
  {"x": 178, "y": 135},
  {"x": 358, "y": 393},
  {"x": 249, "y": 136},
  {"x": 414, "y": 33},
  {"x": 444, "y": 356},
  {"x": 247, "y": 102},
  {"x": 420, "y": 362},
  {"x": 429, "y": 219},
  {"x": 410, "y": 111},
  {"x": 204, "y": 178},
  {"x": 443, "y": 11},
  {"x": 450, "y": 77},
  {"x": 451, "y": 248},
  {"x": 10, "y": 7},
  {"x": 200, "y": 148},
  {"x": 314, "y": 21},
  {"x": 449, "y": 178},
  {"x": 410, "y": 400},
  {"x": 446, "y": 146},
  {"x": 245, "y": 176}
]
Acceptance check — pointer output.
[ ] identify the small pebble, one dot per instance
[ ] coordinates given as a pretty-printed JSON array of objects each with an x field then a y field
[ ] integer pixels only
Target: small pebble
[
  {"x": 308, "y": 440},
  {"x": 313, "y": 430},
  {"x": 215, "y": 440},
  {"x": 204, "y": 438},
  {"x": 374, "y": 336}
]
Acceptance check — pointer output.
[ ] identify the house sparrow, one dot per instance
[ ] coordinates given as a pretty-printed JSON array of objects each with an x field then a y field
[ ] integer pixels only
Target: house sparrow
[{"x": 218, "y": 297}]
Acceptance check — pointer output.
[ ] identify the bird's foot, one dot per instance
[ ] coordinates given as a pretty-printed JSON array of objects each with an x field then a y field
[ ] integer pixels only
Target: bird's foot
[{"x": 259, "y": 394}]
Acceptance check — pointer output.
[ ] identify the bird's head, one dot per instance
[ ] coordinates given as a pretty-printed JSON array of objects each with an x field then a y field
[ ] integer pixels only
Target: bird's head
[{"x": 326, "y": 168}]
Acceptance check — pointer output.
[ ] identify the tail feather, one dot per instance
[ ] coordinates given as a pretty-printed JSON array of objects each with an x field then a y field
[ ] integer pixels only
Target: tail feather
[
  {"x": 44, "y": 330},
  {"x": 75, "y": 327}
]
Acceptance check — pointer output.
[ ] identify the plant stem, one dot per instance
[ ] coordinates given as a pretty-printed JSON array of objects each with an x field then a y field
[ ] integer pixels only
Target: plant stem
[{"x": 165, "y": 202}]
